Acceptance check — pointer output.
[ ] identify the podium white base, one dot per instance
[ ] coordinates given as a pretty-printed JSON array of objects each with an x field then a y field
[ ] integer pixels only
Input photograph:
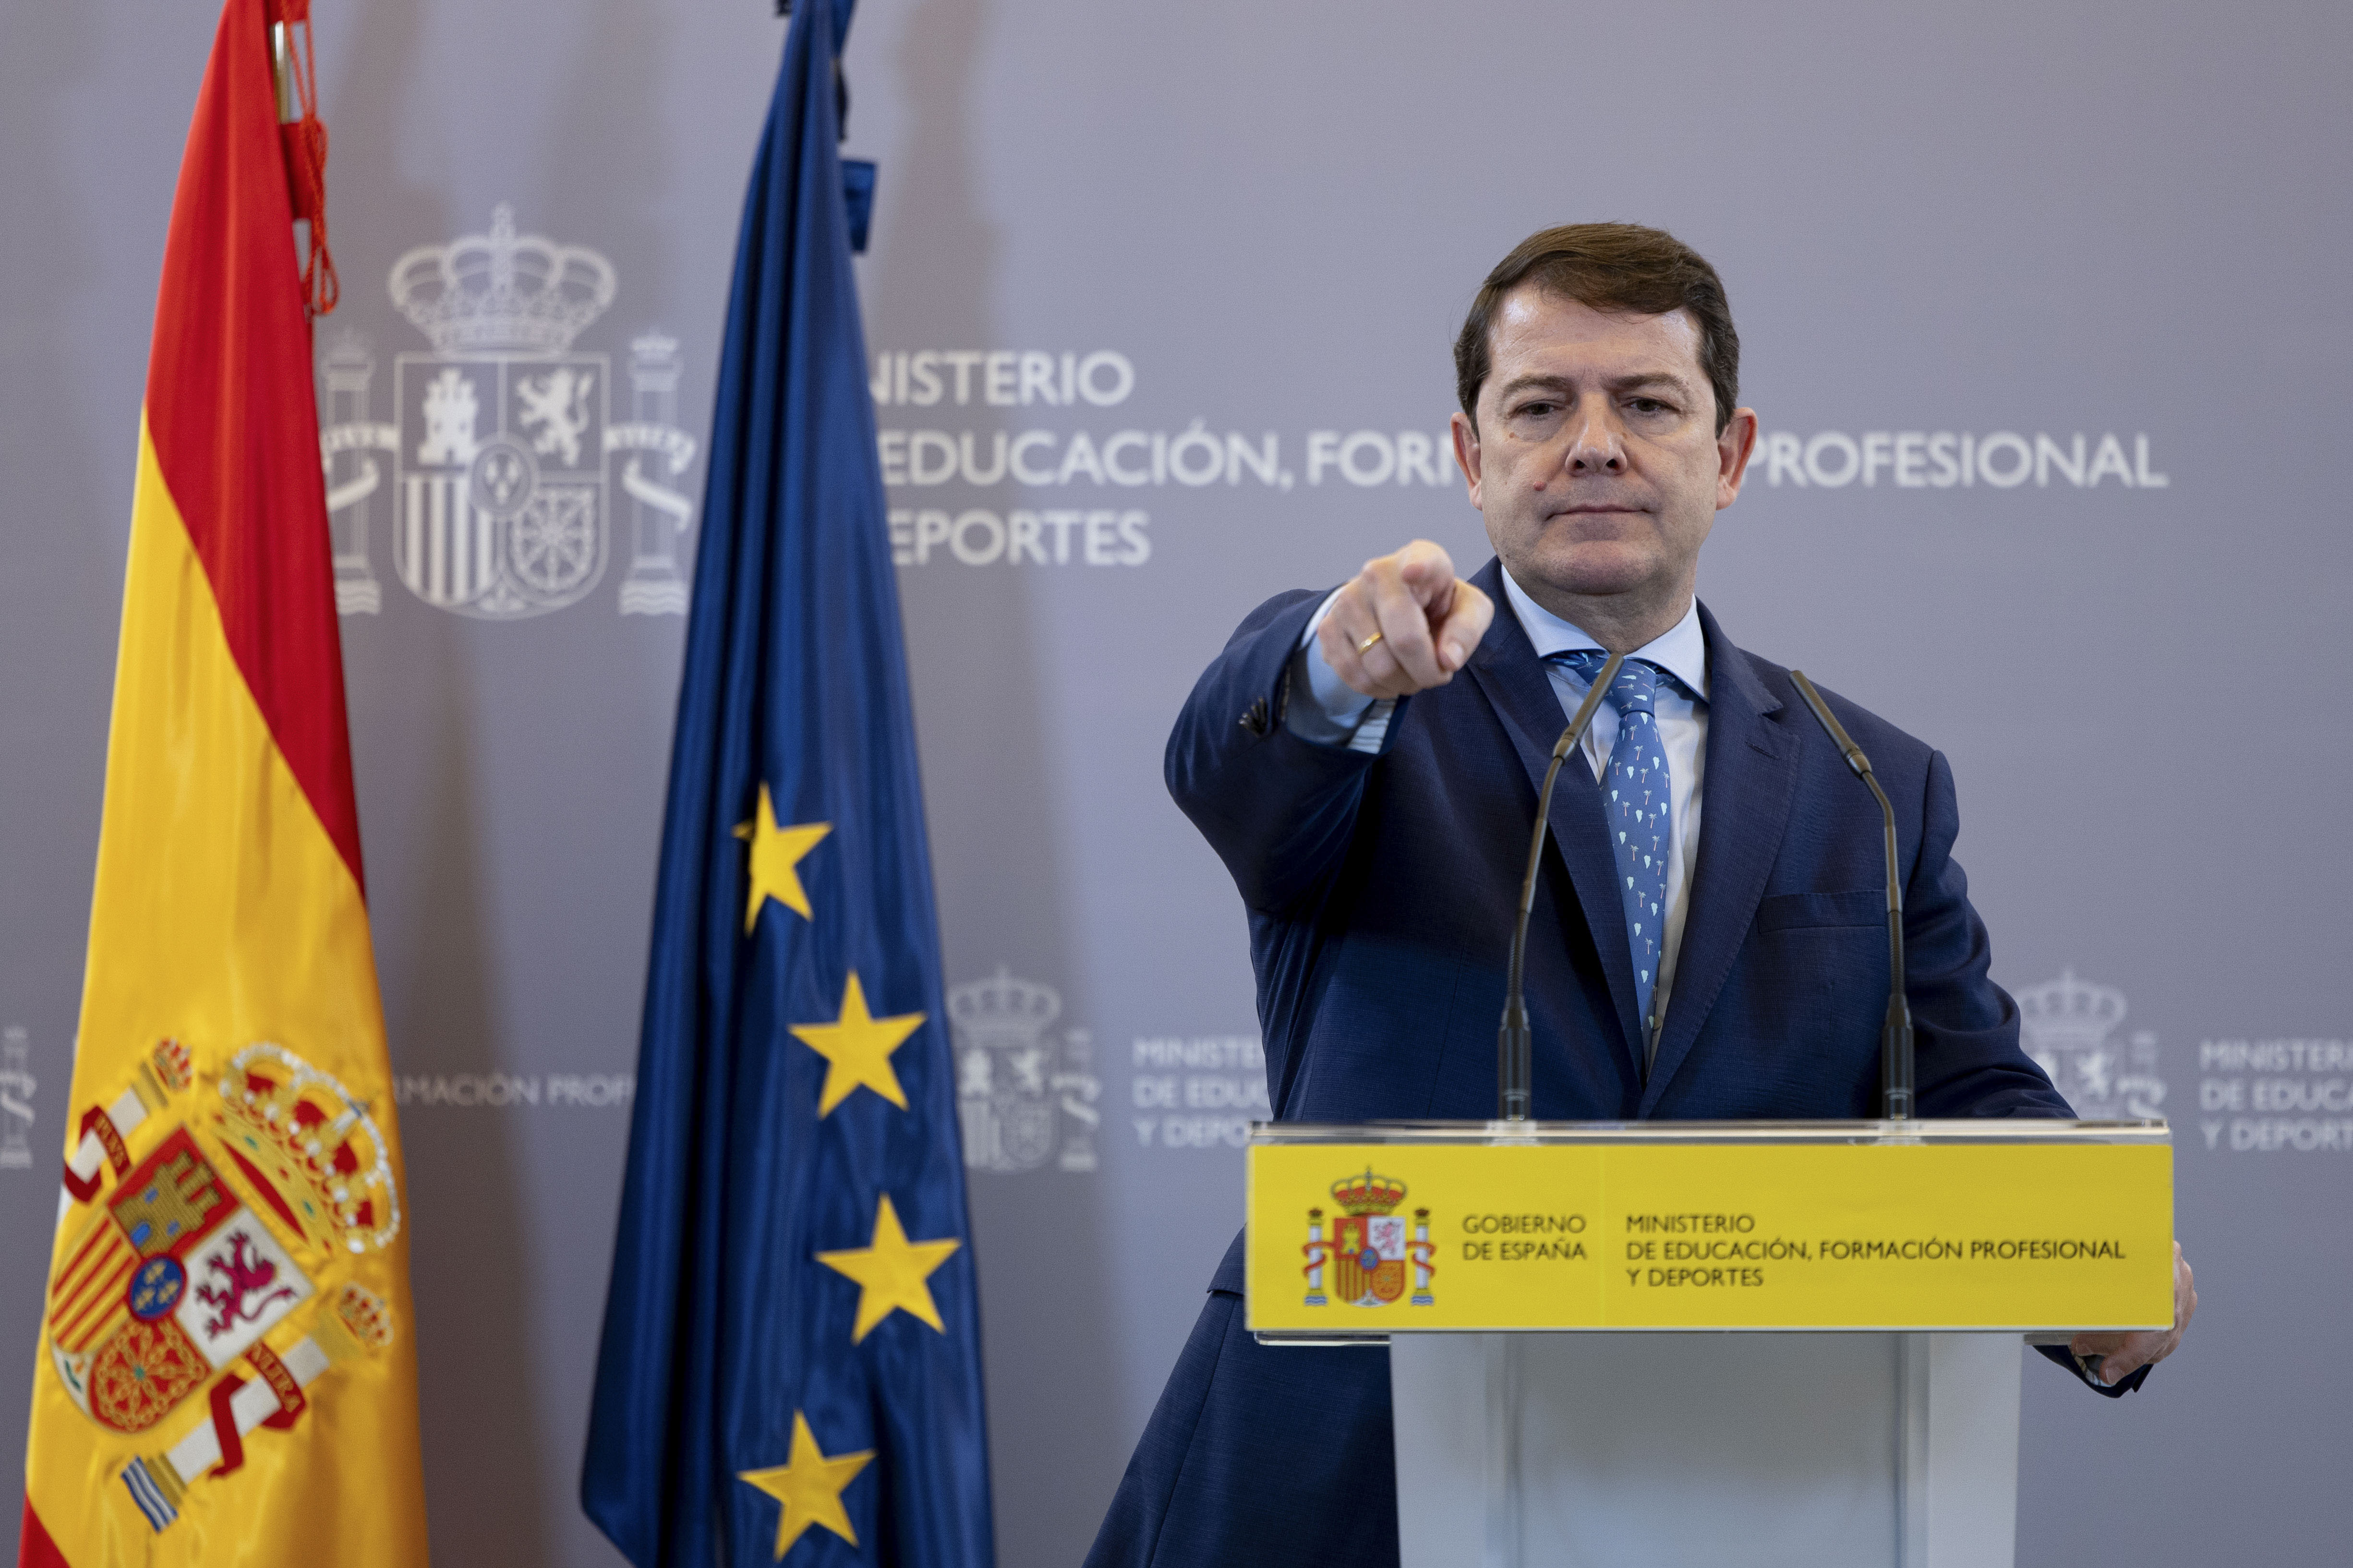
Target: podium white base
[{"x": 1853, "y": 1450}]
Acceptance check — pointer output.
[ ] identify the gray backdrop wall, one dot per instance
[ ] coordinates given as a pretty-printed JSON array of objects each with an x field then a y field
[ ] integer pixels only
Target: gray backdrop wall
[{"x": 2044, "y": 316}]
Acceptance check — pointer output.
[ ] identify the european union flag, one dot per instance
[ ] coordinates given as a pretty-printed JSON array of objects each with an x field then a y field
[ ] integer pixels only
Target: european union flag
[{"x": 791, "y": 1358}]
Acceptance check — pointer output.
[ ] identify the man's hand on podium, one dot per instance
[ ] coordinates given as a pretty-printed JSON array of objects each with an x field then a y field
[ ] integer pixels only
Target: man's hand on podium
[
  {"x": 2121, "y": 1355},
  {"x": 1405, "y": 624}
]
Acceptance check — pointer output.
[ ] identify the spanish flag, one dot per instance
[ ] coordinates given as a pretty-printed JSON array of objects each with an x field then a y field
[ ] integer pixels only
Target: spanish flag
[{"x": 227, "y": 1368}]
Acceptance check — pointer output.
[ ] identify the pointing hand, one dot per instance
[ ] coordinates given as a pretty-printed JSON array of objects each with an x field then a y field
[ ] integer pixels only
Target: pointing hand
[{"x": 1405, "y": 623}]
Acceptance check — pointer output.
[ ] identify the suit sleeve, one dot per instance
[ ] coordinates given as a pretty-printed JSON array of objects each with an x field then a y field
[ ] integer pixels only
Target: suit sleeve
[
  {"x": 2066, "y": 1360},
  {"x": 1964, "y": 1027},
  {"x": 1277, "y": 808}
]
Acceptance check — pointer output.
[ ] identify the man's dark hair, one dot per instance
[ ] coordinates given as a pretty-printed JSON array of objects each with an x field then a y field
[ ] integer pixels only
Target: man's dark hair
[{"x": 1607, "y": 266}]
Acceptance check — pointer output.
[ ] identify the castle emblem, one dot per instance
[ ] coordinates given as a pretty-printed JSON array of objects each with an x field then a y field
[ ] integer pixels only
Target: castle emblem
[
  {"x": 1369, "y": 1252},
  {"x": 1021, "y": 1092},
  {"x": 2066, "y": 1024},
  {"x": 497, "y": 465},
  {"x": 228, "y": 1241}
]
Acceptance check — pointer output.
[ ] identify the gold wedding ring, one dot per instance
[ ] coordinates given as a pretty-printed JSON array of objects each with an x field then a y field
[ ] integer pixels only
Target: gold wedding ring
[{"x": 1365, "y": 647}]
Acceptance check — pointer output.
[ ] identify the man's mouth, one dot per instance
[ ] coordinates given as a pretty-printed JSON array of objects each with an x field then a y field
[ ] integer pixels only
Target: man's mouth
[{"x": 1599, "y": 509}]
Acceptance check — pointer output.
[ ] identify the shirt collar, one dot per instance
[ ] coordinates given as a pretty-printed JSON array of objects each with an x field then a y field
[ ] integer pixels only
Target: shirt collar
[{"x": 1681, "y": 651}]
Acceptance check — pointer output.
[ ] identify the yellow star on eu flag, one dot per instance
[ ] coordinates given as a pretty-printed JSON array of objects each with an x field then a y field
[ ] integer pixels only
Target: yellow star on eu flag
[
  {"x": 776, "y": 851},
  {"x": 892, "y": 1272},
  {"x": 809, "y": 1485},
  {"x": 856, "y": 1048}
]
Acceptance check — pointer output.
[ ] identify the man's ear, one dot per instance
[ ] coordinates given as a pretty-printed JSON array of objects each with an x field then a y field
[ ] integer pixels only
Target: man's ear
[
  {"x": 1735, "y": 445},
  {"x": 1466, "y": 452}
]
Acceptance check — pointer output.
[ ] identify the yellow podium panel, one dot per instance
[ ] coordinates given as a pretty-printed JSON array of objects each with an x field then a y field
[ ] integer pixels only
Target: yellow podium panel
[{"x": 1378, "y": 1230}]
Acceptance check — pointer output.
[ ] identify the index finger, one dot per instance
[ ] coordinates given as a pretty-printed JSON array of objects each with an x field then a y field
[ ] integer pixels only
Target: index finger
[
  {"x": 1405, "y": 626},
  {"x": 1427, "y": 573},
  {"x": 1464, "y": 627}
]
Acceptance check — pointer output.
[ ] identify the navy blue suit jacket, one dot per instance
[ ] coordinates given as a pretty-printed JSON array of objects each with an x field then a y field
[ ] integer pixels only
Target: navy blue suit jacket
[{"x": 1381, "y": 891}]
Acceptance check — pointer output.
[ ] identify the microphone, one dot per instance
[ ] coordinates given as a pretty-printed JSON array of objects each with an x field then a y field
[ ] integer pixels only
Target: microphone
[
  {"x": 1895, "y": 1034},
  {"x": 1513, "y": 1070}
]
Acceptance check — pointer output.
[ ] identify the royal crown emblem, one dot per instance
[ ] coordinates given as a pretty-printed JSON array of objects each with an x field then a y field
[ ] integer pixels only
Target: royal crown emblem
[
  {"x": 1019, "y": 1088},
  {"x": 502, "y": 291},
  {"x": 1368, "y": 1194},
  {"x": 2065, "y": 1024},
  {"x": 1370, "y": 1249},
  {"x": 238, "y": 1205},
  {"x": 500, "y": 451},
  {"x": 315, "y": 1156}
]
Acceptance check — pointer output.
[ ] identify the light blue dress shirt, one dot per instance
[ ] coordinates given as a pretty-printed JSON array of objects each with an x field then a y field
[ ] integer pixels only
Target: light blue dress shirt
[{"x": 1336, "y": 714}]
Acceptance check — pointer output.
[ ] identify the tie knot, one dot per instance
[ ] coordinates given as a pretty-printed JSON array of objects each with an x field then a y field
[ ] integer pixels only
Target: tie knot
[{"x": 1636, "y": 690}]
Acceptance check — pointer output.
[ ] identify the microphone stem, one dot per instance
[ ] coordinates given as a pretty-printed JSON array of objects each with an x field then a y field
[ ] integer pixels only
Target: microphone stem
[
  {"x": 1514, "y": 1070},
  {"x": 1895, "y": 1034},
  {"x": 1896, "y": 1052}
]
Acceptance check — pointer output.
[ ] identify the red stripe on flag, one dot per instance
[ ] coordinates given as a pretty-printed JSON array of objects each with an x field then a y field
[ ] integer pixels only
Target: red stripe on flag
[
  {"x": 70, "y": 1306},
  {"x": 69, "y": 1329},
  {"x": 34, "y": 1547},
  {"x": 232, "y": 410},
  {"x": 99, "y": 1330},
  {"x": 69, "y": 1288}
]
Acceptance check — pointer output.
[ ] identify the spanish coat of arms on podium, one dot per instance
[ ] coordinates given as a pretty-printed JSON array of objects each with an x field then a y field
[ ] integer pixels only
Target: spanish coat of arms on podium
[{"x": 1370, "y": 1249}]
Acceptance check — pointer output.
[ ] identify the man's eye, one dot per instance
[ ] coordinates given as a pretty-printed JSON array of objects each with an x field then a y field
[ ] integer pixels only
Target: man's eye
[
  {"x": 1648, "y": 405},
  {"x": 1536, "y": 410}
]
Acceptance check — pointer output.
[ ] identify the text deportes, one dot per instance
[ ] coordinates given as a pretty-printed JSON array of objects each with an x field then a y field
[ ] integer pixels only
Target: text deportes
[
  {"x": 1678, "y": 1279},
  {"x": 977, "y": 537}
]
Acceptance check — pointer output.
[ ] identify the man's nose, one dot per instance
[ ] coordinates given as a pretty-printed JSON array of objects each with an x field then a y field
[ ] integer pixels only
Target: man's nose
[{"x": 1596, "y": 445}]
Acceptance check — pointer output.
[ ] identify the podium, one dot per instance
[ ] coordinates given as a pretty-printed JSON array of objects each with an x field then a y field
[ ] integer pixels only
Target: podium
[{"x": 1695, "y": 1343}]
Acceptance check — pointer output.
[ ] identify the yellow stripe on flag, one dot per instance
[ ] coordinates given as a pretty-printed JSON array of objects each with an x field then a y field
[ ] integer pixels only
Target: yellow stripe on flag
[{"x": 221, "y": 908}]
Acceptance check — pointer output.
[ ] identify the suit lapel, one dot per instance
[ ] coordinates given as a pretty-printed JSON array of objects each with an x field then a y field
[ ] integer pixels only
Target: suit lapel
[
  {"x": 1505, "y": 667},
  {"x": 1751, "y": 776}
]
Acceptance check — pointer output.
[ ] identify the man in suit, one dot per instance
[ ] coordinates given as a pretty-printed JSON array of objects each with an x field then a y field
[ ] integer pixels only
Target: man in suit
[{"x": 1708, "y": 938}]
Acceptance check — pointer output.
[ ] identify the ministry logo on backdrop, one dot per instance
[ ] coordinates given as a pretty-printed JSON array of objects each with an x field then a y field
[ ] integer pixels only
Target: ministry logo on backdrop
[
  {"x": 1022, "y": 1092},
  {"x": 502, "y": 445},
  {"x": 2066, "y": 1023}
]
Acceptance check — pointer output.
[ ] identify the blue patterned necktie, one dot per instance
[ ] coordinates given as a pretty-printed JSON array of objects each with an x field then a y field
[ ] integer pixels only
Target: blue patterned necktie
[{"x": 1639, "y": 806}]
